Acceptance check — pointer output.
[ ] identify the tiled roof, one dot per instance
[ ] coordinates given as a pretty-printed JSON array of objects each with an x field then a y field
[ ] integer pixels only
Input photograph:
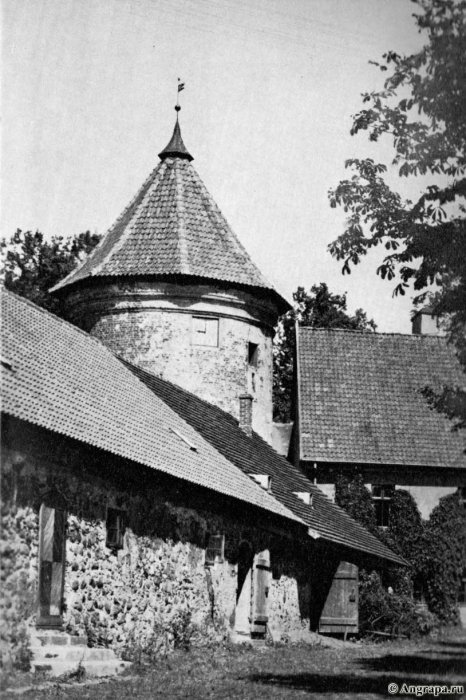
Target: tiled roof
[
  {"x": 361, "y": 400},
  {"x": 254, "y": 456},
  {"x": 58, "y": 377},
  {"x": 173, "y": 227}
]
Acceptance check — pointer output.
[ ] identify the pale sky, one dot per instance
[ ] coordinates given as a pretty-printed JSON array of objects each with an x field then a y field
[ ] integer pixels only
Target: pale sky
[{"x": 89, "y": 88}]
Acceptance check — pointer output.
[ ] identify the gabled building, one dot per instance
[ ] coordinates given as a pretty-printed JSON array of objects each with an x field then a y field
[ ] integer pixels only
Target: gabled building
[{"x": 362, "y": 405}]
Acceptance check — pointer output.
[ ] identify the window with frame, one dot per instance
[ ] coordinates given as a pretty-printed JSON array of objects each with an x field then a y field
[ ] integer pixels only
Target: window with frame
[
  {"x": 116, "y": 527},
  {"x": 214, "y": 551},
  {"x": 205, "y": 331},
  {"x": 381, "y": 499}
]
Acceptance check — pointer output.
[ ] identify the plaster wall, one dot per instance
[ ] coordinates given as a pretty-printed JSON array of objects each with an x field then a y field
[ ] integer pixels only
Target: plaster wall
[
  {"x": 152, "y": 324},
  {"x": 428, "y": 497}
]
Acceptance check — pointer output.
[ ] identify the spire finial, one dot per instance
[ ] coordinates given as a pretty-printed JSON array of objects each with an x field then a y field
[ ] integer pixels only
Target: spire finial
[
  {"x": 176, "y": 147},
  {"x": 180, "y": 88}
]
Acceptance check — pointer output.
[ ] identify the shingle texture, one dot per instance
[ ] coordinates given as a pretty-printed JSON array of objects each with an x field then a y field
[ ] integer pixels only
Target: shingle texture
[
  {"x": 173, "y": 227},
  {"x": 361, "y": 400},
  {"x": 254, "y": 456},
  {"x": 58, "y": 377}
]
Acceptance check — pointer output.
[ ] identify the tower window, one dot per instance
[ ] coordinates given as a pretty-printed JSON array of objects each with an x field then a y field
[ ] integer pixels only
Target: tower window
[
  {"x": 253, "y": 353},
  {"x": 381, "y": 498},
  {"x": 205, "y": 331}
]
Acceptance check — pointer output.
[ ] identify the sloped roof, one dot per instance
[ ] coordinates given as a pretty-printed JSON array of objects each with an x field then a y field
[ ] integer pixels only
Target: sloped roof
[
  {"x": 58, "y": 377},
  {"x": 173, "y": 227},
  {"x": 361, "y": 401},
  {"x": 254, "y": 456}
]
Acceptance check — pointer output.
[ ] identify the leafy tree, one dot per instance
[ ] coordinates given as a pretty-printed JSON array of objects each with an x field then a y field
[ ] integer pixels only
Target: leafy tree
[
  {"x": 352, "y": 495},
  {"x": 31, "y": 265},
  {"x": 421, "y": 108},
  {"x": 320, "y": 309}
]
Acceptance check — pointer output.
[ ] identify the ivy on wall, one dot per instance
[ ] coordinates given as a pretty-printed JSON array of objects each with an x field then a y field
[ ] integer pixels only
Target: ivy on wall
[
  {"x": 436, "y": 550},
  {"x": 443, "y": 557}
]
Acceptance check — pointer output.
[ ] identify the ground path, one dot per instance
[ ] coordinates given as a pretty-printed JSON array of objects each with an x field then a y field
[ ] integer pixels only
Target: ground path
[{"x": 286, "y": 673}]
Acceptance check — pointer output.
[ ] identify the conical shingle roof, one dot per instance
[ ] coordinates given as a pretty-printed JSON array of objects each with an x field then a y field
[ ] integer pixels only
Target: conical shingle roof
[{"x": 173, "y": 227}]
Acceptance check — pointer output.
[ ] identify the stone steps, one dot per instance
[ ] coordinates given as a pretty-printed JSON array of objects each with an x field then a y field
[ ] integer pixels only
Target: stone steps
[
  {"x": 57, "y": 653},
  {"x": 92, "y": 669}
]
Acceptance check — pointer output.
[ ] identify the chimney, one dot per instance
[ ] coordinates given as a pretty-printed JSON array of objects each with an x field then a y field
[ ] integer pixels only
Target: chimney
[
  {"x": 425, "y": 323},
  {"x": 245, "y": 414}
]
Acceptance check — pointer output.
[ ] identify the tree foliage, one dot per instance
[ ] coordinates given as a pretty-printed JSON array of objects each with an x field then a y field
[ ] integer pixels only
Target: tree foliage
[
  {"x": 32, "y": 265},
  {"x": 435, "y": 549},
  {"x": 352, "y": 495},
  {"x": 444, "y": 557},
  {"x": 318, "y": 308},
  {"x": 421, "y": 109}
]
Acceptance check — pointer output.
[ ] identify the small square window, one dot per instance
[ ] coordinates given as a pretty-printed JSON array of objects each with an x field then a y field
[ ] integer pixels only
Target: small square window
[
  {"x": 215, "y": 545},
  {"x": 381, "y": 499},
  {"x": 116, "y": 527},
  {"x": 205, "y": 331}
]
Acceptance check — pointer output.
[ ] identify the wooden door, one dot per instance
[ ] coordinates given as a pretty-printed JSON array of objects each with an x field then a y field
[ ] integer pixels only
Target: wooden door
[
  {"x": 244, "y": 590},
  {"x": 340, "y": 612},
  {"x": 261, "y": 584},
  {"x": 52, "y": 524}
]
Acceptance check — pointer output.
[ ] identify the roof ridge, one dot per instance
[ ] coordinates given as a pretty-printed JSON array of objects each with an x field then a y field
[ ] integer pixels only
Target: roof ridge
[
  {"x": 372, "y": 334},
  {"x": 181, "y": 220}
]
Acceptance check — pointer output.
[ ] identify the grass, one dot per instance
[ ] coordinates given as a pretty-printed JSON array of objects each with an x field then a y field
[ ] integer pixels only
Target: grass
[{"x": 285, "y": 672}]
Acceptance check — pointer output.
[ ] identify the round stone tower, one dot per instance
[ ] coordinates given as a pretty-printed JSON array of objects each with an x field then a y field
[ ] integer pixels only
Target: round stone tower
[{"x": 170, "y": 288}]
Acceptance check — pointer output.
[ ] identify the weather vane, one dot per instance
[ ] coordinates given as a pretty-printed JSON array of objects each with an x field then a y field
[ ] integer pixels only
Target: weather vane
[{"x": 180, "y": 88}]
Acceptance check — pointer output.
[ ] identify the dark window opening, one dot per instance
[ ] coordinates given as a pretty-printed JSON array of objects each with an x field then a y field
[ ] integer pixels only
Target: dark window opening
[
  {"x": 462, "y": 590},
  {"x": 381, "y": 499},
  {"x": 116, "y": 526},
  {"x": 462, "y": 496},
  {"x": 214, "y": 548},
  {"x": 253, "y": 353}
]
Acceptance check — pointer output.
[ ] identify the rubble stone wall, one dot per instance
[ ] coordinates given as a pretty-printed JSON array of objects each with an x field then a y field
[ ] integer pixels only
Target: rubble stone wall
[{"x": 153, "y": 594}]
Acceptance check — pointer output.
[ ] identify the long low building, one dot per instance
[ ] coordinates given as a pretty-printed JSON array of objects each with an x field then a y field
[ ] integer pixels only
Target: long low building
[{"x": 134, "y": 504}]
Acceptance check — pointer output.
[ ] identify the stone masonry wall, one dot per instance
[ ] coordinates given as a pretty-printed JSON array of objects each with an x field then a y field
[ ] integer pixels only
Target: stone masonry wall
[
  {"x": 153, "y": 327},
  {"x": 152, "y": 595}
]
